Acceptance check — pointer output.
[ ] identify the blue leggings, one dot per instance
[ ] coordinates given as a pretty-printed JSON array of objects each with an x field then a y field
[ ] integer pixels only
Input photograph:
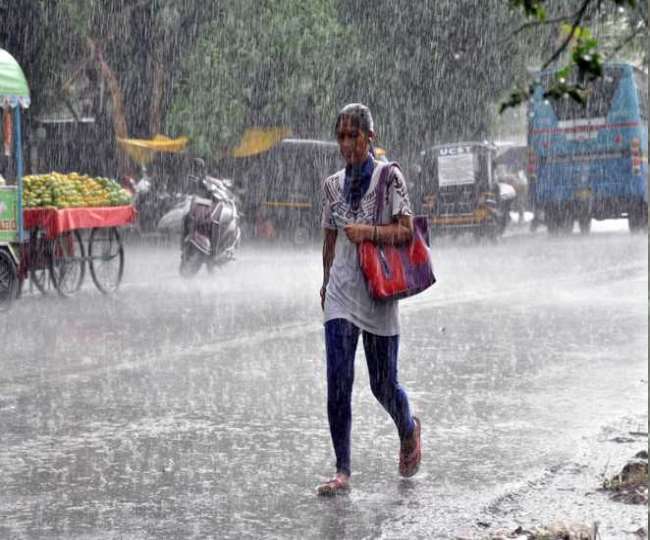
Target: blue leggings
[{"x": 341, "y": 338}]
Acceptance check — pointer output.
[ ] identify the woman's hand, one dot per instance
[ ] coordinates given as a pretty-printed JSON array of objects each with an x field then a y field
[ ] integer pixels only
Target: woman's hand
[
  {"x": 358, "y": 232},
  {"x": 398, "y": 232},
  {"x": 323, "y": 292}
]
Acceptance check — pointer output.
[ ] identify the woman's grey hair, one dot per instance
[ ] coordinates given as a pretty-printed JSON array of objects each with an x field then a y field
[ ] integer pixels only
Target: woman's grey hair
[{"x": 359, "y": 116}]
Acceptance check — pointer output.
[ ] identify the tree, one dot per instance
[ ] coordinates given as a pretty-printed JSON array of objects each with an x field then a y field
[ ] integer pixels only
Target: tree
[
  {"x": 144, "y": 42},
  {"x": 436, "y": 67},
  {"x": 623, "y": 25},
  {"x": 431, "y": 71},
  {"x": 259, "y": 63},
  {"x": 136, "y": 47}
]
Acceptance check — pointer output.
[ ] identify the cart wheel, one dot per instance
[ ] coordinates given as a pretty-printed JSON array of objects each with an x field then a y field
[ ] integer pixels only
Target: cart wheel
[
  {"x": 106, "y": 256},
  {"x": 67, "y": 266},
  {"x": 38, "y": 260},
  {"x": 8, "y": 280}
]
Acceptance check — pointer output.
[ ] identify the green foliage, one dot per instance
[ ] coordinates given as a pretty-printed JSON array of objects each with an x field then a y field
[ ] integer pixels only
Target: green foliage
[
  {"x": 517, "y": 97},
  {"x": 263, "y": 63},
  {"x": 531, "y": 8},
  {"x": 585, "y": 57},
  {"x": 431, "y": 71},
  {"x": 577, "y": 92}
]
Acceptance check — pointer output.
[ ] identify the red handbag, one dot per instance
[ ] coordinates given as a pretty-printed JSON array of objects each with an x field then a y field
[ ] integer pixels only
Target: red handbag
[{"x": 394, "y": 272}]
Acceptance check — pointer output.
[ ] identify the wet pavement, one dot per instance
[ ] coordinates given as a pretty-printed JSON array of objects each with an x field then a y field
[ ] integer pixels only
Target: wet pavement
[{"x": 195, "y": 409}]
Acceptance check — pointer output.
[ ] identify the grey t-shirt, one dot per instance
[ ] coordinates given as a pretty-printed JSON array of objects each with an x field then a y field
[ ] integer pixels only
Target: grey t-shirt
[{"x": 347, "y": 293}]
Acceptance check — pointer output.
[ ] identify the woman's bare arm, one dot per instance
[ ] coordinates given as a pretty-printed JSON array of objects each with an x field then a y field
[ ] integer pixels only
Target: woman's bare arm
[
  {"x": 396, "y": 233},
  {"x": 329, "y": 241}
]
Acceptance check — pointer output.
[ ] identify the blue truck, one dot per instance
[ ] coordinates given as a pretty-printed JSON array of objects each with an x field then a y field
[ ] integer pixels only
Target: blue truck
[{"x": 590, "y": 161}]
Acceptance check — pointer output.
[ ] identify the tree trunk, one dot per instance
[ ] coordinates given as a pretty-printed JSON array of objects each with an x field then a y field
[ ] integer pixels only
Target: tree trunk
[
  {"x": 155, "y": 110},
  {"x": 120, "y": 126}
]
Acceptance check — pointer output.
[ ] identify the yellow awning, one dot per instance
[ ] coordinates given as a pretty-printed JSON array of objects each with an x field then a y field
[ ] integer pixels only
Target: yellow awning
[
  {"x": 258, "y": 140},
  {"x": 142, "y": 150}
]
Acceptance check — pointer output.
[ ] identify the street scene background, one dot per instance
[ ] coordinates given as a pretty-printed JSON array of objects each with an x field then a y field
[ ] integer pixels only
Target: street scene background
[{"x": 189, "y": 400}]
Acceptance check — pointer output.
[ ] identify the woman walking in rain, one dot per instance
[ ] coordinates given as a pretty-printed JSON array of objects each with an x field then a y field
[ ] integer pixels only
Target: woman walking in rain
[{"x": 348, "y": 219}]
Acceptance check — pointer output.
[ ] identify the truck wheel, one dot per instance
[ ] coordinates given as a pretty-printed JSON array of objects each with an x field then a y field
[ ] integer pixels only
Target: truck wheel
[
  {"x": 637, "y": 217},
  {"x": 534, "y": 223},
  {"x": 584, "y": 213},
  {"x": 566, "y": 220},
  {"x": 584, "y": 222},
  {"x": 552, "y": 219}
]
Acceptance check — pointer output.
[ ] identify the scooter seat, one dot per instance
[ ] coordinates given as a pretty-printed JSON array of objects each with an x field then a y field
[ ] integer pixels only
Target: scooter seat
[{"x": 202, "y": 201}]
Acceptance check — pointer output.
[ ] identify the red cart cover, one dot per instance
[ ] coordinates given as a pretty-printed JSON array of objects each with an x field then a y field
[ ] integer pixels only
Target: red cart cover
[{"x": 58, "y": 220}]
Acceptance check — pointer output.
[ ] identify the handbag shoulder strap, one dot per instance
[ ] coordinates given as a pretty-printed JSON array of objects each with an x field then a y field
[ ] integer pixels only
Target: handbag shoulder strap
[{"x": 382, "y": 186}]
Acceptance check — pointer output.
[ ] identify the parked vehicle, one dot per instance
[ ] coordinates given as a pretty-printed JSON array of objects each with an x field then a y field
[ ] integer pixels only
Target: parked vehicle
[
  {"x": 165, "y": 167},
  {"x": 591, "y": 161},
  {"x": 208, "y": 224},
  {"x": 152, "y": 200},
  {"x": 280, "y": 188},
  {"x": 280, "y": 184},
  {"x": 458, "y": 190}
]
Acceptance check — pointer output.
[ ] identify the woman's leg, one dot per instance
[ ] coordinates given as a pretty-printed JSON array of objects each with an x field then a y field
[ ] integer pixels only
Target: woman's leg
[
  {"x": 341, "y": 338},
  {"x": 381, "y": 356}
]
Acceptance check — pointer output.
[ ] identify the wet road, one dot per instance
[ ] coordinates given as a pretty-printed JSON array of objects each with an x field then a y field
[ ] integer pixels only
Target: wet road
[{"x": 196, "y": 409}]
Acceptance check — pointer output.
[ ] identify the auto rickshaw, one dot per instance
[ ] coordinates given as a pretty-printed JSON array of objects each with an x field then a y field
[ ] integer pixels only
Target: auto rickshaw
[
  {"x": 458, "y": 190},
  {"x": 279, "y": 178},
  {"x": 290, "y": 207}
]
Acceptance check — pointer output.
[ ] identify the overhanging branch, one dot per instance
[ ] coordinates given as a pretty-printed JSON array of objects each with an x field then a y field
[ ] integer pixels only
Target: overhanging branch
[
  {"x": 532, "y": 24},
  {"x": 627, "y": 40},
  {"x": 576, "y": 23}
]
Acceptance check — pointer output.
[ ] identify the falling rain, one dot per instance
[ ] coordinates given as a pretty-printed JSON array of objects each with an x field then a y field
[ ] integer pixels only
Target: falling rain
[{"x": 163, "y": 191}]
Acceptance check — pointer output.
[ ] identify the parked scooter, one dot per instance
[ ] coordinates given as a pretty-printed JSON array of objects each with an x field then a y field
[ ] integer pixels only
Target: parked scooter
[
  {"x": 151, "y": 202},
  {"x": 208, "y": 223}
]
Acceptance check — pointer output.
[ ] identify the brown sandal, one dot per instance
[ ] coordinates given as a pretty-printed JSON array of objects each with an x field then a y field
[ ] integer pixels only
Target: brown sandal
[
  {"x": 410, "y": 453},
  {"x": 332, "y": 487}
]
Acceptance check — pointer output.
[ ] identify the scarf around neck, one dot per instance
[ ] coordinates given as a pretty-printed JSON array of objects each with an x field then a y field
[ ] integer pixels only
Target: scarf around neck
[{"x": 357, "y": 180}]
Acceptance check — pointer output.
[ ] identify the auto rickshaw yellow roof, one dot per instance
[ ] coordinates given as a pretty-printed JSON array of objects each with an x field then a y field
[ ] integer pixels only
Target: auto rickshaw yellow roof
[{"x": 257, "y": 140}]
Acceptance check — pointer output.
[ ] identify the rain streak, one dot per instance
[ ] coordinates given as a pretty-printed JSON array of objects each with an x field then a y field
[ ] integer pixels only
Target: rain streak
[{"x": 184, "y": 188}]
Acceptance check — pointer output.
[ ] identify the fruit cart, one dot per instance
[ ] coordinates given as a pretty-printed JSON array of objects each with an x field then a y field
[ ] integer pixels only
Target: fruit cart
[
  {"x": 53, "y": 225},
  {"x": 62, "y": 239}
]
